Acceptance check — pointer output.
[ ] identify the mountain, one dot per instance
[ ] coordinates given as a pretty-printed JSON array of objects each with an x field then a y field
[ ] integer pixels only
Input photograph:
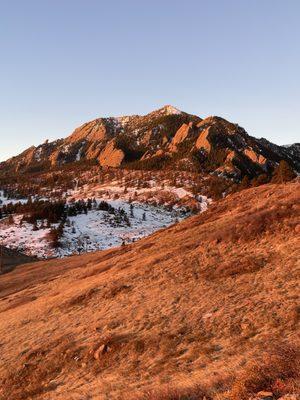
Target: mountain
[
  {"x": 208, "y": 304},
  {"x": 163, "y": 139},
  {"x": 294, "y": 149}
]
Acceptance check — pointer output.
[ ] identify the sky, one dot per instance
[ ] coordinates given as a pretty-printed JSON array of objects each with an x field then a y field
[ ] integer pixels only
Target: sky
[{"x": 63, "y": 63}]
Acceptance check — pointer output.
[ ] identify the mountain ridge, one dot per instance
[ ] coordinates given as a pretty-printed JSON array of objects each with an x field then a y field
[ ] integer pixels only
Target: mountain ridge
[{"x": 166, "y": 138}]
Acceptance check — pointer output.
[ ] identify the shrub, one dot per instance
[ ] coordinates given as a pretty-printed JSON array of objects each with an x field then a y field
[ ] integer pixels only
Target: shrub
[
  {"x": 276, "y": 370},
  {"x": 283, "y": 173}
]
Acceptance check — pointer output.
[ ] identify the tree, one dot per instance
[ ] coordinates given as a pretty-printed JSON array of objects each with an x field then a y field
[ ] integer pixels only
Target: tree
[
  {"x": 54, "y": 236},
  {"x": 245, "y": 183},
  {"x": 126, "y": 220},
  {"x": 131, "y": 211},
  {"x": 1, "y": 260},
  {"x": 260, "y": 180},
  {"x": 283, "y": 173},
  {"x": 89, "y": 204},
  {"x": 35, "y": 227}
]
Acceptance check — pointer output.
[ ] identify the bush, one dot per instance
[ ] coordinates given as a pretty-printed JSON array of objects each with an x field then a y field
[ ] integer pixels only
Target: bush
[
  {"x": 276, "y": 370},
  {"x": 283, "y": 173}
]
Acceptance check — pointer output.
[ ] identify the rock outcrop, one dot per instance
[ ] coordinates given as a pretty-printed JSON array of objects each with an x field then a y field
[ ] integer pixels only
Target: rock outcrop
[{"x": 111, "y": 156}]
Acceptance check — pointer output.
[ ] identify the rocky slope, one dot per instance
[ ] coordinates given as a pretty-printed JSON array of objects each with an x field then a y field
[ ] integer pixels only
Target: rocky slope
[
  {"x": 163, "y": 138},
  {"x": 211, "y": 301}
]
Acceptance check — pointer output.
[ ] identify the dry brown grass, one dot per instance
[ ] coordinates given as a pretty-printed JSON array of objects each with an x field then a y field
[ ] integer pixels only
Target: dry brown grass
[
  {"x": 277, "y": 370},
  {"x": 35, "y": 375},
  {"x": 197, "y": 302},
  {"x": 195, "y": 392}
]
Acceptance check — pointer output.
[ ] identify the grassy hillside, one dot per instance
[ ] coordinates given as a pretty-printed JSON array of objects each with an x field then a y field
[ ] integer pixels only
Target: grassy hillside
[{"x": 207, "y": 306}]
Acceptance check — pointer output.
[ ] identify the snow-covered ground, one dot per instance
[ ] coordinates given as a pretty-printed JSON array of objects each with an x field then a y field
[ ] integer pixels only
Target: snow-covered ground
[
  {"x": 88, "y": 232},
  {"x": 163, "y": 194},
  {"x": 24, "y": 238},
  {"x": 98, "y": 230},
  {"x": 4, "y": 200}
]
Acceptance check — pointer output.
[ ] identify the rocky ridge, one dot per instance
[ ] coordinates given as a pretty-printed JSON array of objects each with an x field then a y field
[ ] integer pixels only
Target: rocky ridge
[{"x": 163, "y": 138}]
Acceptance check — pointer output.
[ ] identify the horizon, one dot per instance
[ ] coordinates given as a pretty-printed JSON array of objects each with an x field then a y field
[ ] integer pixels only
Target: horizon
[{"x": 66, "y": 63}]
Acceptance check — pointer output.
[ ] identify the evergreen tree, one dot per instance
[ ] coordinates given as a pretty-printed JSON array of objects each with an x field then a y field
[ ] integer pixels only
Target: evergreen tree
[
  {"x": 126, "y": 220},
  {"x": 89, "y": 204},
  {"x": 245, "y": 183},
  {"x": 131, "y": 211},
  {"x": 283, "y": 173}
]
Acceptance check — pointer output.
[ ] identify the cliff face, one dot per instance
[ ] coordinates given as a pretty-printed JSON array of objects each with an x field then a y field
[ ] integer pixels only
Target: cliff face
[{"x": 216, "y": 144}]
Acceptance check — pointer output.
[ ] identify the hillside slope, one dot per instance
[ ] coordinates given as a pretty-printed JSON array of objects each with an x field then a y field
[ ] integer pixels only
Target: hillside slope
[{"x": 197, "y": 302}]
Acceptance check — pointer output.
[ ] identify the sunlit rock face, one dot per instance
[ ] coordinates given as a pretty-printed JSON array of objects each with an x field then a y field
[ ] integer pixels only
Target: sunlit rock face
[{"x": 182, "y": 139}]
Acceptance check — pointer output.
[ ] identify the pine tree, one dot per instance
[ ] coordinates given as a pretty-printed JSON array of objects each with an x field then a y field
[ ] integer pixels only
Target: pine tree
[
  {"x": 89, "y": 204},
  {"x": 131, "y": 211},
  {"x": 245, "y": 183},
  {"x": 283, "y": 173},
  {"x": 126, "y": 220}
]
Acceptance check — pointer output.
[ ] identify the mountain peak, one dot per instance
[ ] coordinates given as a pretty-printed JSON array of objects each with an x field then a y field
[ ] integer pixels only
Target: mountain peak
[
  {"x": 169, "y": 109},
  {"x": 163, "y": 132}
]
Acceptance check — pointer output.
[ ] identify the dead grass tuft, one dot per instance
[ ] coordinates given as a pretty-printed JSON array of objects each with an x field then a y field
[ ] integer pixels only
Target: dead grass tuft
[{"x": 195, "y": 392}]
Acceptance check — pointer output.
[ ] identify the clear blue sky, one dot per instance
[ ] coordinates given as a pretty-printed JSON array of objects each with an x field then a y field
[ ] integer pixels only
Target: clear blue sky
[{"x": 66, "y": 62}]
